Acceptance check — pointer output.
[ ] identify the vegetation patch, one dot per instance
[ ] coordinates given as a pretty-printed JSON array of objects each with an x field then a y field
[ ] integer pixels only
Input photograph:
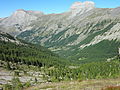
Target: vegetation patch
[{"x": 112, "y": 88}]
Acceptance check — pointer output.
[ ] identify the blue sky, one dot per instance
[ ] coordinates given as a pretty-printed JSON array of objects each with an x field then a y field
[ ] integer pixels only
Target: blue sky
[{"x": 7, "y": 7}]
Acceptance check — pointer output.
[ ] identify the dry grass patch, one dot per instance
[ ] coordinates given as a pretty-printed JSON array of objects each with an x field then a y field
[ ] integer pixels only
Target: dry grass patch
[
  {"x": 78, "y": 85},
  {"x": 112, "y": 88}
]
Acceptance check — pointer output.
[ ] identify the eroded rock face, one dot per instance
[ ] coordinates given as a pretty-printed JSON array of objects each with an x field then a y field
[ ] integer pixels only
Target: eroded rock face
[{"x": 82, "y": 7}]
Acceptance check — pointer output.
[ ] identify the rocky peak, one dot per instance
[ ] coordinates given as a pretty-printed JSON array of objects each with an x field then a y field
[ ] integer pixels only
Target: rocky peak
[
  {"x": 19, "y": 20},
  {"x": 35, "y": 12},
  {"x": 22, "y": 13},
  {"x": 81, "y": 7},
  {"x": 19, "y": 13},
  {"x": 21, "y": 17}
]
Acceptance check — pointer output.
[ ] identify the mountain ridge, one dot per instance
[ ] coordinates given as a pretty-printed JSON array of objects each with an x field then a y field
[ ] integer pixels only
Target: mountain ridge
[{"x": 70, "y": 32}]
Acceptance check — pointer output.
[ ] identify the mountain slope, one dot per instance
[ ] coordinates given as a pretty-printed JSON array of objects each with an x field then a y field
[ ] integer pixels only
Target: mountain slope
[
  {"x": 14, "y": 50},
  {"x": 71, "y": 32}
]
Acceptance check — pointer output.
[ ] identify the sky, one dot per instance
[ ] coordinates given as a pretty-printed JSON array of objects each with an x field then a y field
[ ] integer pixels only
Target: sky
[{"x": 7, "y": 7}]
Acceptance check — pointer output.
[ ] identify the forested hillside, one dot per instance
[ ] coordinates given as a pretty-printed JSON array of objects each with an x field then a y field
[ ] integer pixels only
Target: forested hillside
[
  {"x": 94, "y": 53},
  {"x": 96, "y": 70},
  {"x": 18, "y": 55},
  {"x": 14, "y": 50}
]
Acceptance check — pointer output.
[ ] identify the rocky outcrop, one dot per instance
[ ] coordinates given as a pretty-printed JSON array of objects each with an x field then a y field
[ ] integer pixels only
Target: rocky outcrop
[{"x": 80, "y": 8}]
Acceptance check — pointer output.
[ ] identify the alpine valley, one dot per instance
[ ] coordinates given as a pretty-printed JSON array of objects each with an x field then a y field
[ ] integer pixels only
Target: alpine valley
[
  {"x": 80, "y": 47},
  {"x": 83, "y": 33}
]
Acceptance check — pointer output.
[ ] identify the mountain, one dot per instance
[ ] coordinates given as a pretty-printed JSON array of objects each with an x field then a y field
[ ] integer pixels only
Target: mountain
[
  {"x": 17, "y": 22},
  {"x": 84, "y": 33},
  {"x": 18, "y": 51}
]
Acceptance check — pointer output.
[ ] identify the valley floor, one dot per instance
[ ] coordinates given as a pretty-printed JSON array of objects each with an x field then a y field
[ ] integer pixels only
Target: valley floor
[{"x": 79, "y": 85}]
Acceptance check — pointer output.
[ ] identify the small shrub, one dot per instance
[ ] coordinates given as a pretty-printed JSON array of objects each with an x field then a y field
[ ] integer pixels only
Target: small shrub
[
  {"x": 7, "y": 87},
  {"x": 16, "y": 72},
  {"x": 27, "y": 84},
  {"x": 16, "y": 84}
]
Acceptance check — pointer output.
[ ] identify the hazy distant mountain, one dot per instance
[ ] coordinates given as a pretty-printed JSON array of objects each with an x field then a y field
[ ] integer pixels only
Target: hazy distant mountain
[{"x": 82, "y": 33}]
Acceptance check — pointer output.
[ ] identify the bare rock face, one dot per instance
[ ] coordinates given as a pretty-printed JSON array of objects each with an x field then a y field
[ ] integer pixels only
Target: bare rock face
[
  {"x": 119, "y": 50},
  {"x": 79, "y": 7}
]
